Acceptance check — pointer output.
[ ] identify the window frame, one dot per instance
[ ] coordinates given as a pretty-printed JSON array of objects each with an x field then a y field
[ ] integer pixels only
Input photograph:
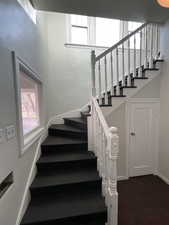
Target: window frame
[
  {"x": 25, "y": 141},
  {"x": 91, "y": 33}
]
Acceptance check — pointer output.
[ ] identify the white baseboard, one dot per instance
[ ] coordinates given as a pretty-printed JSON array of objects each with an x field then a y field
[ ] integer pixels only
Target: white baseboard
[
  {"x": 164, "y": 178},
  {"x": 122, "y": 178}
]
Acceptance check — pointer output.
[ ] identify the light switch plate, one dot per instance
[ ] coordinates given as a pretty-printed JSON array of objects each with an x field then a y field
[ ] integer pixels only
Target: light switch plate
[{"x": 10, "y": 132}]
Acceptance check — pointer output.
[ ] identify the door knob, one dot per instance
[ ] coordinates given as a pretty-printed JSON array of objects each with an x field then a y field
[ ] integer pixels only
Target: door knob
[{"x": 132, "y": 134}]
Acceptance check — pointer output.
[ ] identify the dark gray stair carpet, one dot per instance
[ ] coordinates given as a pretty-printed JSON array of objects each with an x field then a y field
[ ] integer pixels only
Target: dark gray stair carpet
[
  {"x": 67, "y": 187},
  {"x": 63, "y": 176},
  {"x": 65, "y": 206},
  {"x": 66, "y": 157}
]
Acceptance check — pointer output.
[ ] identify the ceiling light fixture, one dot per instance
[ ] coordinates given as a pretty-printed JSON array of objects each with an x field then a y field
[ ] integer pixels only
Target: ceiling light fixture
[{"x": 164, "y": 3}]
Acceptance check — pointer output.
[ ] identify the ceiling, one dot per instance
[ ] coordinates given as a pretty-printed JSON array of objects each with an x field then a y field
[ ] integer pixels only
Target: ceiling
[{"x": 137, "y": 10}]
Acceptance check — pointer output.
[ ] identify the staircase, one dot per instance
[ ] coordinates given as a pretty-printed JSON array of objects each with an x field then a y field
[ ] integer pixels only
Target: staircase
[
  {"x": 67, "y": 187},
  {"x": 68, "y": 190}
]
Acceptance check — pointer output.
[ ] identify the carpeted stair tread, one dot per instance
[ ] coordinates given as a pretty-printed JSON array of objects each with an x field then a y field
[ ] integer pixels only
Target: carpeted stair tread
[
  {"x": 65, "y": 176},
  {"x": 66, "y": 130},
  {"x": 78, "y": 122},
  {"x": 59, "y": 140},
  {"x": 65, "y": 206},
  {"x": 65, "y": 127},
  {"x": 66, "y": 157}
]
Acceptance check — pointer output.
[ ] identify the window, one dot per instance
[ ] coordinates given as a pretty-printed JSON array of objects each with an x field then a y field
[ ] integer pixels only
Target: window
[
  {"x": 28, "y": 87},
  {"x": 107, "y": 32},
  {"x": 79, "y": 29},
  {"x": 29, "y": 102},
  {"x": 85, "y": 30},
  {"x": 101, "y": 32}
]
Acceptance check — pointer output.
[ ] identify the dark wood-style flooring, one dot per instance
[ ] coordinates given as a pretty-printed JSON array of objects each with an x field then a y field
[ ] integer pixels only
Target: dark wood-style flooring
[{"x": 143, "y": 201}]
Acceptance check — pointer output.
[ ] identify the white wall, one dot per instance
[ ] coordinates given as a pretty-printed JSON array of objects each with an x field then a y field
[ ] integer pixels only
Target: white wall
[
  {"x": 164, "y": 100},
  {"x": 17, "y": 33}
]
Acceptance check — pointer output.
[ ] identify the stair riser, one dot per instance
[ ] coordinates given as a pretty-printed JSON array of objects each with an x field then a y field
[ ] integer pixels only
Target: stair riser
[
  {"x": 78, "y": 220},
  {"x": 75, "y": 124},
  {"x": 50, "y": 190},
  {"x": 48, "y": 167},
  {"x": 64, "y": 133},
  {"x": 66, "y": 148}
]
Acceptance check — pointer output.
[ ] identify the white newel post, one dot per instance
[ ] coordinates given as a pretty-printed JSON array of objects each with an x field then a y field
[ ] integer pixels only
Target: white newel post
[
  {"x": 93, "y": 62},
  {"x": 112, "y": 188}
]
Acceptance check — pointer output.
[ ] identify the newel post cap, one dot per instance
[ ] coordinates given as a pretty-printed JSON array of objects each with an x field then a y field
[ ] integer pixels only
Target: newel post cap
[{"x": 113, "y": 130}]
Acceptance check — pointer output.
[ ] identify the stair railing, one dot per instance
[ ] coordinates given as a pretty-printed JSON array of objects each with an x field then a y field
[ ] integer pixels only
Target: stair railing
[
  {"x": 117, "y": 66},
  {"x": 105, "y": 144}
]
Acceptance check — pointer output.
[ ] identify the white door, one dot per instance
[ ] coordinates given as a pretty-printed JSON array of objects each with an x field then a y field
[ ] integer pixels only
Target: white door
[{"x": 143, "y": 138}]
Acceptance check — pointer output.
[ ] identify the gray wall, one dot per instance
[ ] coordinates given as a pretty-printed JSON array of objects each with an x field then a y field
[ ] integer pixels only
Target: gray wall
[
  {"x": 164, "y": 100},
  {"x": 17, "y": 32},
  {"x": 69, "y": 68}
]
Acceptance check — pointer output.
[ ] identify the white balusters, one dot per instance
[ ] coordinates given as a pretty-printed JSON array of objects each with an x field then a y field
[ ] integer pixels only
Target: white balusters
[
  {"x": 123, "y": 66},
  {"x": 105, "y": 72},
  {"x": 146, "y": 46},
  {"x": 111, "y": 71},
  {"x": 134, "y": 57},
  {"x": 100, "y": 86},
  {"x": 151, "y": 47},
  {"x": 128, "y": 48},
  {"x": 117, "y": 73},
  {"x": 93, "y": 62},
  {"x": 157, "y": 42},
  {"x": 140, "y": 59}
]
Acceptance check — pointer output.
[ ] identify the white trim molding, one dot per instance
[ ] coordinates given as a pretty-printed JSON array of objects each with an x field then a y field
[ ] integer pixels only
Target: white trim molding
[
  {"x": 27, "y": 140},
  {"x": 163, "y": 177}
]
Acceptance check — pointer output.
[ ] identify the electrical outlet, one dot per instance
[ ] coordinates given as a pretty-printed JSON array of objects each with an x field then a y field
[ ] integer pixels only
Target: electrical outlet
[
  {"x": 1, "y": 135},
  {"x": 10, "y": 132}
]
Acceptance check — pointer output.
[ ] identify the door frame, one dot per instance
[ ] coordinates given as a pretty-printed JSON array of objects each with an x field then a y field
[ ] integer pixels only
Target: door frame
[{"x": 129, "y": 103}]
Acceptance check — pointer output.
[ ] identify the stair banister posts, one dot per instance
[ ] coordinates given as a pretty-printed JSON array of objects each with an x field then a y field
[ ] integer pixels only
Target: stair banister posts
[
  {"x": 128, "y": 48},
  {"x": 157, "y": 42},
  {"x": 151, "y": 47},
  {"x": 140, "y": 63},
  {"x": 105, "y": 73},
  {"x": 134, "y": 57},
  {"x": 111, "y": 68},
  {"x": 123, "y": 65},
  {"x": 145, "y": 42},
  {"x": 93, "y": 63},
  {"x": 100, "y": 87},
  {"x": 117, "y": 72},
  {"x": 112, "y": 184}
]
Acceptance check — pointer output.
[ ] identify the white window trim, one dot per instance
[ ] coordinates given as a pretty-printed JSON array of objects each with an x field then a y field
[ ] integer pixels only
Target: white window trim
[
  {"x": 25, "y": 141},
  {"x": 91, "y": 35}
]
